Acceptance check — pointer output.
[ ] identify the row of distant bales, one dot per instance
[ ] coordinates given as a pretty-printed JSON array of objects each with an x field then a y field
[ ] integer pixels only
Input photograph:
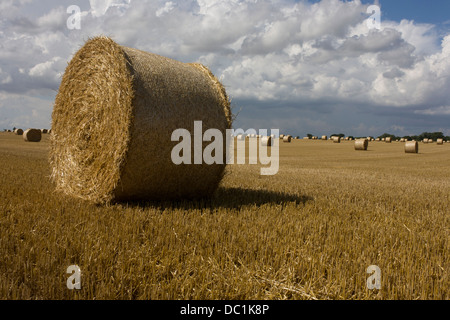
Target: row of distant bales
[
  {"x": 31, "y": 135},
  {"x": 35, "y": 135},
  {"x": 411, "y": 146}
]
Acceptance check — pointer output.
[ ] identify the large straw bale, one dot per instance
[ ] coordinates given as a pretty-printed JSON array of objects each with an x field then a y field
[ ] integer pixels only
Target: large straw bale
[
  {"x": 113, "y": 120},
  {"x": 32, "y": 135},
  {"x": 287, "y": 139},
  {"x": 411, "y": 147},
  {"x": 361, "y": 144},
  {"x": 18, "y": 132},
  {"x": 336, "y": 139},
  {"x": 440, "y": 141},
  {"x": 266, "y": 141}
]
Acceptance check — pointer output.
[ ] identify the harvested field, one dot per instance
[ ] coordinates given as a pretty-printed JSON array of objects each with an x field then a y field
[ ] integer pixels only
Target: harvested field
[{"x": 308, "y": 232}]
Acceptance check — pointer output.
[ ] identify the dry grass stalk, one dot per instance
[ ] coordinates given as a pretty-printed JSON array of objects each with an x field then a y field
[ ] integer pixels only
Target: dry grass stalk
[{"x": 113, "y": 119}]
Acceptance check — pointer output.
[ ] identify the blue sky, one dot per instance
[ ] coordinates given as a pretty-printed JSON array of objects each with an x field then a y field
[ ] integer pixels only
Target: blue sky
[
  {"x": 298, "y": 66},
  {"x": 434, "y": 11}
]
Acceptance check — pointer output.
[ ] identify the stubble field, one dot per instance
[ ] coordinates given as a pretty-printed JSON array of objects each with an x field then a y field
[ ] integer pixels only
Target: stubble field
[{"x": 308, "y": 232}]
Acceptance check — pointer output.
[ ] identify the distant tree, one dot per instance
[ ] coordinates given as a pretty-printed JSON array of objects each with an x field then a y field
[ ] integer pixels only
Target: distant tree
[
  {"x": 431, "y": 135},
  {"x": 309, "y": 135}
]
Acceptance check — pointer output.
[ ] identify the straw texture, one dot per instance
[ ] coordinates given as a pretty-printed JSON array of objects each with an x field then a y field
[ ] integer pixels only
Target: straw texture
[{"x": 113, "y": 118}]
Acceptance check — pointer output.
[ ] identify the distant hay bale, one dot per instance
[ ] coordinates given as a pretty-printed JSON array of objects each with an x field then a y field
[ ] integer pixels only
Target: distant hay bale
[
  {"x": 411, "y": 147},
  {"x": 324, "y": 137},
  {"x": 430, "y": 140},
  {"x": 425, "y": 140},
  {"x": 377, "y": 139},
  {"x": 240, "y": 137},
  {"x": 32, "y": 135},
  {"x": 361, "y": 144},
  {"x": 287, "y": 139},
  {"x": 18, "y": 132},
  {"x": 266, "y": 141},
  {"x": 44, "y": 131},
  {"x": 281, "y": 136},
  {"x": 388, "y": 140},
  {"x": 440, "y": 141},
  {"x": 113, "y": 120},
  {"x": 336, "y": 139}
]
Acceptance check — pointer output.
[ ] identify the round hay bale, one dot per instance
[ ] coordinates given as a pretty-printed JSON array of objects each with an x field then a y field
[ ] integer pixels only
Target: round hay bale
[
  {"x": 361, "y": 144},
  {"x": 18, "y": 132},
  {"x": 266, "y": 141},
  {"x": 32, "y": 135},
  {"x": 440, "y": 141},
  {"x": 44, "y": 131},
  {"x": 430, "y": 140},
  {"x": 411, "y": 147},
  {"x": 113, "y": 119},
  {"x": 388, "y": 140},
  {"x": 324, "y": 138},
  {"x": 336, "y": 139},
  {"x": 281, "y": 136},
  {"x": 287, "y": 139}
]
